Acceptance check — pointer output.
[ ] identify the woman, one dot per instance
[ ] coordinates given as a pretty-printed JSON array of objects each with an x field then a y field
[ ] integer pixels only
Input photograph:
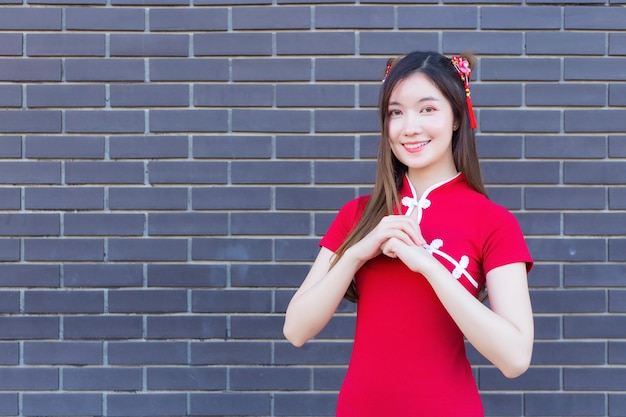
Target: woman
[{"x": 415, "y": 255}]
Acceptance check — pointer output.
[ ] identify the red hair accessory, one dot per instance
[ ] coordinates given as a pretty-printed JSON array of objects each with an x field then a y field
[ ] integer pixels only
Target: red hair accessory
[
  {"x": 463, "y": 69},
  {"x": 389, "y": 62}
]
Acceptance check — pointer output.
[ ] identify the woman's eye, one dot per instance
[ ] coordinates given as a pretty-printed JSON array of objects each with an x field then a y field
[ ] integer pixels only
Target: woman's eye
[
  {"x": 394, "y": 112},
  {"x": 428, "y": 109}
]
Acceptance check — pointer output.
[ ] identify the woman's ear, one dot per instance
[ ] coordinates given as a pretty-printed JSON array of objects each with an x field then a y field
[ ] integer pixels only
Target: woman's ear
[{"x": 455, "y": 126}]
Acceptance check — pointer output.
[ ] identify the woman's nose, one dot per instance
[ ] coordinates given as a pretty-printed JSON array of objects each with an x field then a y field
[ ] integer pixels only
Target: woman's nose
[{"x": 412, "y": 125}]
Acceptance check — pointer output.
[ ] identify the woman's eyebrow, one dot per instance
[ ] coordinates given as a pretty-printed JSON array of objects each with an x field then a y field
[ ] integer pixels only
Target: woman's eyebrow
[{"x": 421, "y": 100}]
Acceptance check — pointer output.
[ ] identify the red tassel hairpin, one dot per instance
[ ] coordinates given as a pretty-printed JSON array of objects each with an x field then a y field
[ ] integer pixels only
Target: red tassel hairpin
[{"x": 463, "y": 69}]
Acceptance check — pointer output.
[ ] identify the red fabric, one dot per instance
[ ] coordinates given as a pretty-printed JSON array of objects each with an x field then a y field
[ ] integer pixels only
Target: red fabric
[{"x": 409, "y": 356}]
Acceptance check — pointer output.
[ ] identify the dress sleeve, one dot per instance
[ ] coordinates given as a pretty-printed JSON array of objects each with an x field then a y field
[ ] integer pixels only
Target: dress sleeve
[
  {"x": 345, "y": 221},
  {"x": 504, "y": 242}
]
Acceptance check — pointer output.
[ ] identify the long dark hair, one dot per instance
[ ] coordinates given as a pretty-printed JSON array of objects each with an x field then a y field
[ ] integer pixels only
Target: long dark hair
[{"x": 390, "y": 171}]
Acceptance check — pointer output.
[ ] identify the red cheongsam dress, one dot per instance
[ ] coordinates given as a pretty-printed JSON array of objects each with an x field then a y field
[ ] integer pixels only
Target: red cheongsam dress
[{"x": 408, "y": 358}]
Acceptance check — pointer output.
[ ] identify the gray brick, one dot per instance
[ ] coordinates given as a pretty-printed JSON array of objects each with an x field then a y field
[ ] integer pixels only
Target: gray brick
[
  {"x": 616, "y": 352},
  {"x": 165, "y": 121},
  {"x": 57, "y": 147},
  {"x": 569, "y": 353},
  {"x": 10, "y": 250},
  {"x": 566, "y": 95},
  {"x": 594, "y": 379},
  {"x": 65, "y": 44},
  {"x": 594, "y": 224},
  {"x": 314, "y": 353},
  {"x": 617, "y": 198},
  {"x": 10, "y": 96},
  {"x": 33, "y": 224},
  {"x": 270, "y": 378},
  {"x": 186, "y": 275},
  {"x": 497, "y": 95},
  {"x": 328, "y": 379},
  {"x": 494, "y": 146},
  {"x": 146, "y": 404},
  {"x": 386, "y": 43},
  {"x": 221, "y": 403},
  {"x": 187, "y": 172},
  {"x": 231, "y": 301},
  {"x": 286, "y": 17},
  {"x": 232, "y": 147},
  {"x": 16, "y": 69},
  {"x": 102, "y": 275},
  {"x": 316, "y": 43},
  {"x": 270, "y": 224},
  {"x": 149, "y": 95},
  {"x": 104, "y": 70},
  {"x": 296, "y": 249},
  {"x": 104, "y": 19},
  {"x": 58, "y": 198},
  {"x": 346, "y": 17},
  {"x": 593, "y": 326},
  {"x": 235, "y": 43},
  {"x": 605, "y": 172},
  {"x": 617, "y": 43},
  {"x": 170, "y": 198},
  {"x": 545, "y": 17},
  {"x": 435, "y": 17},
  {"x": 571, "y": 249},
  {"x": 587, "y": 121},
  {"x": 271, "y": 69},
  {"x": 342, "y": 121},
  {"x": 594, "y": 69},
  {"x": 103, "y": 224},
  {"x": 589, "y": 17},
  {"x": 147, "y": 301},
  {"x": 566, "y": 146},
  {"x": 511, "y": 198},
  {"x": 11, "y": 147},
  {"x": 9, "y": 404},
  {"x": 256, "y": 327},
  {"x": 29, "y": 379},
  {"x": 572, "y": 301},
  {"x": 31, "y": 18},
  {"x": 232, "y": 95},
  {"x": 563, "y": 43},
  {"x": 186, "y": 224},
  {"x": 104, "y": 172},
  {"x": 23, "y": 275},
  {"x": 516, "y": 121},
  {"x": 547, "y": 327},
  {"x": 101, "y": 121},
  {"x": 152, "y": 45},
  {"x": 186, "y": 379},
  {"x": 16, "y": 327},
  {"x": 617, "y": 250},
  {"x": 193, "y": 19},
  {"x": 10, "y": 302},
  {"x": 279, "y": 121},
  {"x": 102, "y": 379},
  {"x": 350, "y": 69},
  {"x": 186, "y": 327},
  {"x": 231, "y": 198},
  {"x": 147, "y": 353},
  {"x": 102, "y": 327},
  {"x": 148, "y": 147},
  {"x": 61, "y": 404},
  {"x": 538, "y": 378},
  {"x": 270, "y": 172},
  {"x": 312, "y": 198},
  {"x": 617, "y": 301},
  {"x": 41, "y": 302},
  {"x": 353, "y": 172},
  {"x": 183, "y": 69},
  {"x": 63, "y": 353},
  {"x": 517, "y": 69},
  {"x": 593, "y": 275},
  {"x": 11, "y": 44},
  {"x": 508, "y": 404},
  {"x": 220, "y": 249},
  {"x": 316, "y": 95},
  {"x": 30, "y": 121},
  {"x": 10, "y": 198},
  {"x": 63, "y": 249},
  {"x": 230, "y": 353},
  {"x": 323, "y": 147},
  {"x": 617, "y": 95},
  {"x": 483, "y": 43},
  {"x": 562, "y": 198},
  {"x": 155, "y": 250},
  {"x": 288, "y": 404},
  {"x": 565, "y": 404},
  {"x": 9, "y": 355}
]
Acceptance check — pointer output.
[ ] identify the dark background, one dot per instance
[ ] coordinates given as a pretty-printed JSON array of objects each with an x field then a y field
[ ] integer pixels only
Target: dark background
[{"x": 167, "y": 169}]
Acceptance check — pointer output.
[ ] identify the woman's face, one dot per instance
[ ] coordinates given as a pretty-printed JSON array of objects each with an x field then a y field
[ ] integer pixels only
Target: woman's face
[{"x": 420, "y": 123}]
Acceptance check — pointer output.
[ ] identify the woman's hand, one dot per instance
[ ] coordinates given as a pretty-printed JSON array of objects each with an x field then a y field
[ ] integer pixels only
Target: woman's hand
[
  {"x": 415, "y": 257},
  {"x": 396, "y": 228}
]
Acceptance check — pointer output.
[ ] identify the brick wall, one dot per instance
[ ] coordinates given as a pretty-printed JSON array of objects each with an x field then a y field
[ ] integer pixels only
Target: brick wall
[{"x": 168, "y": 167}]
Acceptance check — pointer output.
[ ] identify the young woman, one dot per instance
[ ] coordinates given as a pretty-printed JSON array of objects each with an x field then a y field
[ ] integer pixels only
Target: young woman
[{"x": 415, "y": 255}]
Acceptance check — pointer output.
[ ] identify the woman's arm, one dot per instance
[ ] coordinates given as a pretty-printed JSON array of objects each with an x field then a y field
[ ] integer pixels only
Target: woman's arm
[
  {"x": 503, "y": 334},
  {"x": 315, "y": 302}
]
